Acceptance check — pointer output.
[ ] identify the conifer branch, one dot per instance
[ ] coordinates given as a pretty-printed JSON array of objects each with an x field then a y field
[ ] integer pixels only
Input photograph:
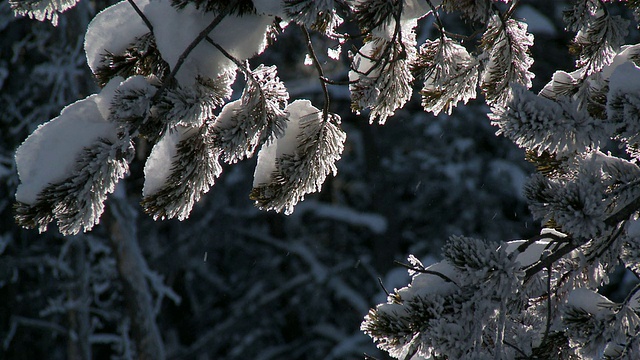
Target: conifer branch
[
  {"x": 549, "y": 260},
  {"x": 254, "y": 120},
  {"x": 571, "y": 245},
  {"x": 388, "y": 55}
]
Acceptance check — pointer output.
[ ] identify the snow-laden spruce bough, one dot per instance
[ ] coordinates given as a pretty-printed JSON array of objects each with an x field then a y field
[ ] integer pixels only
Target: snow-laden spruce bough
[{"x": 166, "y": 70}]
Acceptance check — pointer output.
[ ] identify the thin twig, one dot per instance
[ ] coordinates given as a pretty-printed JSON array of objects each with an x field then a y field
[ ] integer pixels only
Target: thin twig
[
  {"x": 338, "y": 82},
  {"x": 203, "y": 34},
  {"x": 382, "y": 286},
  {"x": 439, "y": 24},
  {"x": 515, "y": 348},
  {"x": 549, "y": 260},
  {"x": 512, "y": 8},
  {"x": 631, "y": 294},
  {"x": 548, "y": 325},
  {"x": 426, "y": 271},
  {"x": 141, "y": 14},
  {"x": 247, "y": 73},
  {"x": 316, "y": 63}
]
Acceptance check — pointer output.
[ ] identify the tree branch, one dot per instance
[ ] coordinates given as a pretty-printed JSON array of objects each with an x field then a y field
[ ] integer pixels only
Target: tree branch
[
  {"x": 136, "y": 292},
  {"x": 426, "y": 271},
  {"x": 141, "y": 14},
  {"x": 549, "y": 260},
  {"x": 316, "y": 63},
  {"x": 624, "y": 213},
  {"x": 613, "y": 220}
]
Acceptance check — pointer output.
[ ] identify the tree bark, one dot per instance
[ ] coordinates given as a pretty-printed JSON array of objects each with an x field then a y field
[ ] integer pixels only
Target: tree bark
[
  {"x": 120, "y": 222},
  {"x": 79, "y": 319}
]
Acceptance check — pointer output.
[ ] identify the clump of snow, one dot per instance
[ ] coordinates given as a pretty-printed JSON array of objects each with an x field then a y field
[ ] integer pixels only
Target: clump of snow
[
  {"x": 308, "y": 61},
  {"x": 334, "y": 53},
  {"x": 537, "y": 21},
  {"x": 295, "y": 112},
  {"x": 625, "y": 79},
  {"x": 588, "y": 300},
  {"x": 159, "y": 163},
  {"x": 242, "y": 37},
  {"x": 287, "y": 144},
  {"x": 559, "y": 81},
  {"x": 622, "y": 57},
  {"x": 49, "y": 154},
  {"x": 227, "y": 113},
  {"x": 116, "y": 27},
  {"x": 113, "y": 30},
  {"x": 362, "y": 62},
  {"x": 532, "y": 253},
  {"x": 266, "y": 164}
]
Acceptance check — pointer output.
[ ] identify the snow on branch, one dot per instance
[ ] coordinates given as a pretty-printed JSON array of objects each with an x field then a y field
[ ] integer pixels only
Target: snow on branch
[
  {"x": 69, "y": 165},
  {"x": 42, "y": 9},
  {"x": 257, "y": 117},
  {"x": 77, "y": 202},
  {"x": 430, "y": 316},
  {"x": 299, "y": 162},
  {"x": 542, "y": 125},
  {"x": 118, "y": 43},
  {"x": 506, "y": 45},
  {"x": 170, "y": 191},
  {"x": 381, "y": 77},
  {"x": 449, "y": 72},
  {"x": 599, "y": 36},
  {"x": 599, "y": 327},
  {"x": 584, "y": 201}
]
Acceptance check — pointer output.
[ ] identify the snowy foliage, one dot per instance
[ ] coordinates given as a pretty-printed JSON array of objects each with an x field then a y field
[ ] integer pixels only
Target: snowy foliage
[
  {"x": 297, "y": 163},
  {"x": 382, "y": 77},
  {"x": 42, "y": 9},
  {"x": 72, "y": 193},
  {"x": 544, "y": 125},
  {"x": 173, "y": 91},
  {"x": 506, "y": 45},
  {"x": 536, "y": 298},
  {"x": 258, "y": 116},
  {"x": 450, "y": 75}
]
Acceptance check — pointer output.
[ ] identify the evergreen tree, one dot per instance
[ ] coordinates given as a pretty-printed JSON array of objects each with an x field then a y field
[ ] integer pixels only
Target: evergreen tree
[{"x": 173, "y": 90}]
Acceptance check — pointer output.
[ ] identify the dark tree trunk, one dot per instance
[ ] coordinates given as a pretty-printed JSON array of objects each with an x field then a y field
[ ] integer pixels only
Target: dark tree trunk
[{"x": 120, "y": 222}]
